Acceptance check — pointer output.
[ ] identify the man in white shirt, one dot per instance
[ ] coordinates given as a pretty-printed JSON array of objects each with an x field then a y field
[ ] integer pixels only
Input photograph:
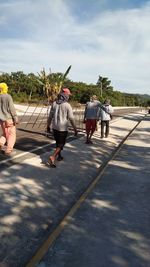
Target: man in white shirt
[{"x": 105, "y": 116}]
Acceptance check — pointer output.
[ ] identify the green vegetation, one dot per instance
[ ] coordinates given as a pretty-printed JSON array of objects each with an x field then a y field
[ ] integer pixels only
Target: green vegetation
[{"x": 27, "y": 88}]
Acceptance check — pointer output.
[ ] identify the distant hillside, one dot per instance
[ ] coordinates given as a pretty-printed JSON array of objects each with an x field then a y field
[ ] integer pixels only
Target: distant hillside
[{"x": 145, "y": 96}]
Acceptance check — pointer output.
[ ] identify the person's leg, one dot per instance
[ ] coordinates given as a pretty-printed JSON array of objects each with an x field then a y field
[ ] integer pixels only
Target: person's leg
[
  {"x": 93, "y": 128},
  {"x": 60, "y": 138},
  {"x": 102, "y": 128},
  {"x": 52, "y": 158},
  {"x": 62, "y": 141},
  {"x": 3, "y": 137},
  {"x": 11, "y": 138},
  {"x": 59, "y": 156},
  {"x": 55, "y": 154},
  {"x": 107, "y": 129},
  {"x": 88, "y": 130}
]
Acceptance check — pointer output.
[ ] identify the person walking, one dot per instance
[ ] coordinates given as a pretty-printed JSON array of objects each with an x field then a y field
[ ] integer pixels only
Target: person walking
[
  {"x": 8, "y": 119},
  {"x": 105, "y": 116},
  {"x": 91, "y": 116},
  {"x": 60, "y": 114}
]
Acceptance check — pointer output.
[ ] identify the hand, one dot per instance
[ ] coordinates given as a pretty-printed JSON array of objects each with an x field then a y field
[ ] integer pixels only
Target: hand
[
  {"x": 48, "y": 129},
  {"x": 16, "y": 122},
  {"x": 75, "y": 132},
  {"x": 111, "y": 117}
]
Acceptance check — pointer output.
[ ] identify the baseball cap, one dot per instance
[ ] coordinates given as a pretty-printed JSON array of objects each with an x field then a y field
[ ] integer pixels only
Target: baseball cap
[{"x": 66, "y": 91}]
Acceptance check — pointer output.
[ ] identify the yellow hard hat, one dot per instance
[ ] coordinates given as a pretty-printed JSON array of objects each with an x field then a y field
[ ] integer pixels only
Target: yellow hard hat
[{"x": 3, "y": 88}]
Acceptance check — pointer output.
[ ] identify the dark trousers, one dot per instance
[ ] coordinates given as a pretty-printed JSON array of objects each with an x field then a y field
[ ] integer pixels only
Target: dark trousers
[
  {"x": 60, "y": 138},
  {"x": 104, "y": 124}
]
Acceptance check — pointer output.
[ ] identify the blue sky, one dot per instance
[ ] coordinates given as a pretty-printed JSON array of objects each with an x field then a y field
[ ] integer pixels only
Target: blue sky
[{"x": 97, "y": 37}]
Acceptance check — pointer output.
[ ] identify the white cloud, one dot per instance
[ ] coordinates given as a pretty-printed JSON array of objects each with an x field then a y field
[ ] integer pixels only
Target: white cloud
[{"x": 115, "y": 44}]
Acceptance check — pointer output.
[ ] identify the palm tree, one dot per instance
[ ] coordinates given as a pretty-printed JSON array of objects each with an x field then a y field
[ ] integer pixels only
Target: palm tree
[{"x": 52, "y": 83}]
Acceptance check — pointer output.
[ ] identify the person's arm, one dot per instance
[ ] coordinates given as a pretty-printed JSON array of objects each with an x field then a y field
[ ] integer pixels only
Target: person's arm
[
  {"x": 84, "y": 118},
  {"x": 98, "y": 113},
  {"x": 13, "y": 110},
  {"x": 49, "y": 120},
  {"x": 111, "y": 110},
  {"x": 71, "y": 119},
  {"x": 103, "y": 108},
  {"x": 73, "y": 125}
]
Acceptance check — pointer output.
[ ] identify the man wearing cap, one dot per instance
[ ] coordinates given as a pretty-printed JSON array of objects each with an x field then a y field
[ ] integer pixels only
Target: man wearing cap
[
  {"x": 60, "y": 114},
  {"x": 8, "y": 119},
  {"x": 91, "y": 116}
]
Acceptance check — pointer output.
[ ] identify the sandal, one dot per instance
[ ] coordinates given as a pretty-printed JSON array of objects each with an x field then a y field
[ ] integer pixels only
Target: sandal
[
  {"x": 59, "y": 158},
  {"x": 51, "y": 163}
]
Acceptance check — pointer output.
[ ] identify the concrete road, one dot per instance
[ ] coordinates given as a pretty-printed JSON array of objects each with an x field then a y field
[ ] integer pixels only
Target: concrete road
[
  {"x": 34, "y": 198},
  {"x": 112, "y": 227}
]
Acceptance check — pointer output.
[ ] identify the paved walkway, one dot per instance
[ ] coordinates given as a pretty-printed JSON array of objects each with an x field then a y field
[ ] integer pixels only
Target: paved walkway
[
  {"x": 111, "y": 228},
  {"x": 34, "y": 197}
]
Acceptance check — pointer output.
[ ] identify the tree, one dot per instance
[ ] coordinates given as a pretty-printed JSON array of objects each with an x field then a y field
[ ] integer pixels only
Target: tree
[
  {"x": 5, "y": 77},
  {"x": 52, "y": 83},
  {"x": 32, "y": 85},
  {"x": 19, "y": 81},
  {"x": 104, "y": 85}
]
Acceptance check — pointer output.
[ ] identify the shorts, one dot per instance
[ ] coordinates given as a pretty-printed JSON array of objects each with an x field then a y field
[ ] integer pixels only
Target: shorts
[
  {"x": 91, "y": 125},
  {"x": 60, "y": 138}
]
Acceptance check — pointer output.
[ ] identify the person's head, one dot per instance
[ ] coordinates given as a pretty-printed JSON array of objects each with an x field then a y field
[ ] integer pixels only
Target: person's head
[
  {"x": 93, "y": 97},
  {"x": 63, "y": 96},
  {"x": 3, "y": 88},
  {"x": 107, "y": 101},
  {"x": 66, "y": 91}
]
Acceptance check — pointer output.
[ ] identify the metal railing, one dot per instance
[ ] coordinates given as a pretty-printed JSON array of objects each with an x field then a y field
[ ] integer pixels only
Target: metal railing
[{"x": 35, "y": 118}]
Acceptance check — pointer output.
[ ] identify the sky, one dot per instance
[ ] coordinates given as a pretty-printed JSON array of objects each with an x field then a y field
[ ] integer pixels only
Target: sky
[{"x": 96, "y": 37}]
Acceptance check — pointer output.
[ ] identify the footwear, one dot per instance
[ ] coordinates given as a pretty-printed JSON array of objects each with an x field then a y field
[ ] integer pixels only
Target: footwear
[
  {"x": 51, "y": 163},
  {"x": 1, "y": 146},
  {"x": 59, "y": 158},
  {"x": 8, "y": 153},
  {"x": 90, "y": 142}
]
